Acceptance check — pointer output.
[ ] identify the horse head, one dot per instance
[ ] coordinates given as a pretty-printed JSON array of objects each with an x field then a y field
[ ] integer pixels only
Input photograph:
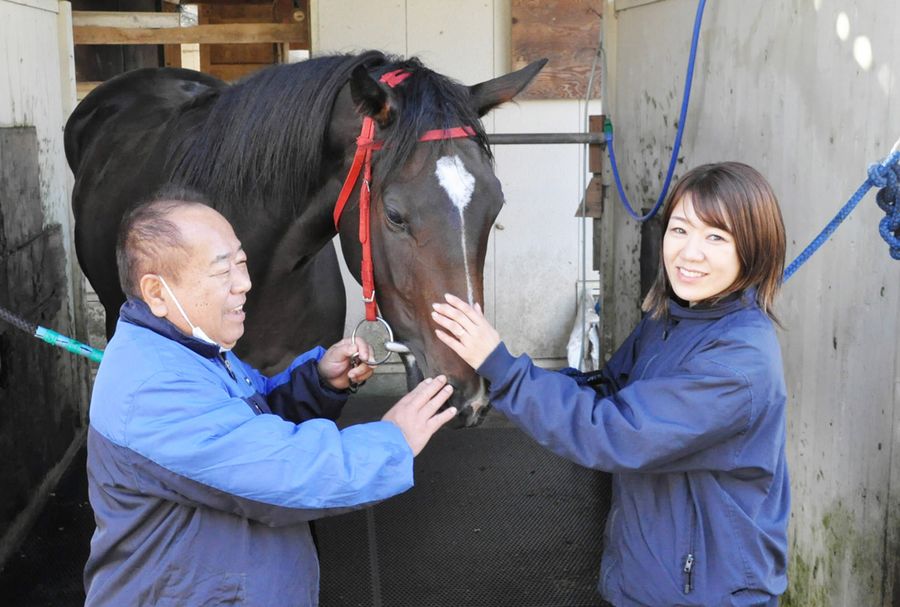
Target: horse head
[{"x": 434, "y": 198}]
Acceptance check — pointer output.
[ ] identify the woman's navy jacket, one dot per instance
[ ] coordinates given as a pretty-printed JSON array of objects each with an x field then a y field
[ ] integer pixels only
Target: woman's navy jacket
[
  {"x": 692, "y": 426},
  {"x": 202, "y": 478}
]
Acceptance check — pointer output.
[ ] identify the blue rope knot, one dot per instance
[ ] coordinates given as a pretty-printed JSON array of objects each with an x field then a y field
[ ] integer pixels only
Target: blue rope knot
[
  {"x": 881, "y": 174},
  {"x": 887, "y": 177},
  {"x": 884, "y": 175}
]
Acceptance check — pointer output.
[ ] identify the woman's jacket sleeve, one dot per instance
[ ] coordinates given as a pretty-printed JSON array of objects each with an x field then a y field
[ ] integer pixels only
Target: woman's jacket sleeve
[{"x": 662, "y": 424}]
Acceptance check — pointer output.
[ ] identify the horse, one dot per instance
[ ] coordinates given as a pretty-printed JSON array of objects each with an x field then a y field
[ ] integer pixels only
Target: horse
[{"x": 271, "y": 153}]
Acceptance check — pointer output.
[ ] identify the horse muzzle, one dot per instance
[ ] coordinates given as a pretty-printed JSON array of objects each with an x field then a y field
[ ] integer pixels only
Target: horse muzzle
[{"x": 472, "y": 409}]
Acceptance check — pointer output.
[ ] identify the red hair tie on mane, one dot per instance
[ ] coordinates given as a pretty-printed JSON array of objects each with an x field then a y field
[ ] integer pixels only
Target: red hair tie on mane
[{"x": 395, "y": 77}]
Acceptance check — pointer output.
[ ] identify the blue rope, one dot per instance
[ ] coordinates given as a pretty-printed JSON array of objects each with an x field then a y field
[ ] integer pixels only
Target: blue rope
[
  {"x": 884, "y": 175},
  {"x": 608, "y": 130}
]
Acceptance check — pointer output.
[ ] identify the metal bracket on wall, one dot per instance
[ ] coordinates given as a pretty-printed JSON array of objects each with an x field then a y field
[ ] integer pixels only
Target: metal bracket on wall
[{"x": 592, "y": 205}]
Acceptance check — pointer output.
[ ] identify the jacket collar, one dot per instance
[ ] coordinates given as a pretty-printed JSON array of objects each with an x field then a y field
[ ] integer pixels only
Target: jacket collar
[
  {"x": 137, "y": 312},
  {"x": 680, "y": 309}
]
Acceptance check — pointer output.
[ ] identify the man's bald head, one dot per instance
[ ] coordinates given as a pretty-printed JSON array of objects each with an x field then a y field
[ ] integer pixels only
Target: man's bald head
[{"x": 150, "y": 240}]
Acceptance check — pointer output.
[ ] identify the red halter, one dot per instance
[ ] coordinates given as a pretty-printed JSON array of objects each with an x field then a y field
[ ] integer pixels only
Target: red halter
[{"x": 362, "y": 160}]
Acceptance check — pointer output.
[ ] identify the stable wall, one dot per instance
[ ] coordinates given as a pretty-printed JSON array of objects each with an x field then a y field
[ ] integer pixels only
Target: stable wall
[
  {"x": 806, "y": 91},
  {"x": 43, "y": 390},
  {"x": 534, "y": 251}
]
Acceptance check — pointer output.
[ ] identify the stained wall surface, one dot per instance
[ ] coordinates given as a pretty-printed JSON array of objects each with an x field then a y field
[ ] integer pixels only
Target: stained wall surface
[
  {"x": 43, "y": 390},
  {"x": 807, "y": 92}
]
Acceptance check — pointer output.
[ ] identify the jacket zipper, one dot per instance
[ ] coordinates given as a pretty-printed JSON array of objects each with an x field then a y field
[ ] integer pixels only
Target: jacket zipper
[
  {"x": 688, "y": 568},
  {"x": 234, "y": 377},
  {"x": 688, "y": 571},
  {"x": 227, "y": 366},
  {"x": 611, "y": 522}
]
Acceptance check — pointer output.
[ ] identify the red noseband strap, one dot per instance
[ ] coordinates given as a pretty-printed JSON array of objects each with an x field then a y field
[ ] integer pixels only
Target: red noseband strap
[{"x": 362, "y": 162}]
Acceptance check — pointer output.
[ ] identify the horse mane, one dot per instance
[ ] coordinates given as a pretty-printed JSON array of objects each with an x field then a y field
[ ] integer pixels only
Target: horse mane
[{"x": 263, "y": 140}]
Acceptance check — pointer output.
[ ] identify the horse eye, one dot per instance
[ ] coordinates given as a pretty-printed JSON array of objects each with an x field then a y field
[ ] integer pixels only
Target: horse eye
[{"x": 394, "y": 217}]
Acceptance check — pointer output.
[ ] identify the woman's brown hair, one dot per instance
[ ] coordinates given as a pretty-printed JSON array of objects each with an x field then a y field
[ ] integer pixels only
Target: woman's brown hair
[{"x": 736, "y": 198}]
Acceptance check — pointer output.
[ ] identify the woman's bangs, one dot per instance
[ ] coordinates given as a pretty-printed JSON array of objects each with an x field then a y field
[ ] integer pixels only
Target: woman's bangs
[{"x": 710, "y": 209}]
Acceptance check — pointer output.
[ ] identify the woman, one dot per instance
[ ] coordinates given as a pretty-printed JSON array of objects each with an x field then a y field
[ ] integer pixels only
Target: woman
[{"x": 690, "y": 417}]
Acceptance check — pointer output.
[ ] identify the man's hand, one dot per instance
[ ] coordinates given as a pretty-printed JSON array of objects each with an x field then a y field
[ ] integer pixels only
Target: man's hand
[
  {"x": 416, "y": 413},
  {"x": 336, "y": 368},
  {"x": 469, "y": 333}
]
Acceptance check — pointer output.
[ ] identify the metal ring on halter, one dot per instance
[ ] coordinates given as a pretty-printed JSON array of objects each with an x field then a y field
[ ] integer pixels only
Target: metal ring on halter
[{"x": 390, "y": 338}]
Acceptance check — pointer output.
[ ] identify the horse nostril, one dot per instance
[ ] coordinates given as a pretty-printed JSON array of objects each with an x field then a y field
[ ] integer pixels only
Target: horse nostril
[
  {"x": 462, "y": 418},
  {"x": 456, "y": 399},
  {"x": 465, "y": 412},
  {"x": 470, "y": 410}
]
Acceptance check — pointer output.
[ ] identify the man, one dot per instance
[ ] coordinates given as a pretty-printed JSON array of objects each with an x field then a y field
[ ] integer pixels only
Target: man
[{"x": 203, "y": 473}]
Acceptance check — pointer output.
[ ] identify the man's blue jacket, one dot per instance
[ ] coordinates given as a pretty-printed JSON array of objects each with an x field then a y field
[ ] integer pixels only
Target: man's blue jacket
[
  {"x": 691, "y": 424},
  {"x": 202, "y": 477}
]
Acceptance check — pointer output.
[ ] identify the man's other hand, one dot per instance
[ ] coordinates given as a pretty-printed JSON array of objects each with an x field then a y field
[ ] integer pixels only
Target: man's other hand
[
  {"x": 336, "y": 365},
  {"x": 416, "y": 414}
]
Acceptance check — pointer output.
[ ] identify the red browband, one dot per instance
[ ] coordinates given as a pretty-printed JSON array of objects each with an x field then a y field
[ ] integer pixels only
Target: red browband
[{"x": 362, "y": 161}]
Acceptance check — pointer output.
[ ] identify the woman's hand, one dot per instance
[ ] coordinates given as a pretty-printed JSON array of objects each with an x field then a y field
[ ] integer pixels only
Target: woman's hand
[
  {"x": 468, "y": 333},
  {"x": 336, "y": 365}
]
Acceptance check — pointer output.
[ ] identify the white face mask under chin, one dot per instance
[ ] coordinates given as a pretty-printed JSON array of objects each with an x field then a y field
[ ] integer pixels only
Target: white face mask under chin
[{"x": 195, "y": 330}]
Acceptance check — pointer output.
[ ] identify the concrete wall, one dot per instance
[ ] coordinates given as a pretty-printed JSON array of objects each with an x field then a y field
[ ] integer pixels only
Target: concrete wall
[
  {"x": 43, "y": 390},
  {"x": 533, "y": 259},
  {"x": 807, "y": 92}
]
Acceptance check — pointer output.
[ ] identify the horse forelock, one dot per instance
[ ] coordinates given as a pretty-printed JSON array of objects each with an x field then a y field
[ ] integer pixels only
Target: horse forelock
[{"x": 428, "y": 100}]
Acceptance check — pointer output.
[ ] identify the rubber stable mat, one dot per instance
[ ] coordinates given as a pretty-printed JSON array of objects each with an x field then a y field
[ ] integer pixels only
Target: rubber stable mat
[
  {"x": 494, "y": 520},
  {"x": 46, "y": 570}
]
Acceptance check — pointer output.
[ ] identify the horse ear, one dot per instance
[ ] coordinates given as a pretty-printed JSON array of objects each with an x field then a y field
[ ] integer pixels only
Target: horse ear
[
  {"x": 491, "y": 93},
  {"x": 368, "y": 97}
]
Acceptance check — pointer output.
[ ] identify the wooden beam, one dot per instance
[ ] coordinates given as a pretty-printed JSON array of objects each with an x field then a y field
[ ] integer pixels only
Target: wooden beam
[
  {"x": 203, "y": 14},
  {"x": 66, "y": 58},
  {"x": 83, "y": 88},
  {"x": 220, "y": 2},
  {"x": 125, "y": 19},
  {"x": 171, "y": 52},
  {"x": 241, "y": 33},
  {"x": 242, "y": 53},
  {"x": 566, "y": 33},
  {"x": 596, "y": 151},
  {"x": 234, "y": 72}
]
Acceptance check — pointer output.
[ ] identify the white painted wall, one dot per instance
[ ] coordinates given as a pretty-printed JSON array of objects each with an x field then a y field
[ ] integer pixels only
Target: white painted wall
[
  {"x": 37, "y": 88},
  {"x": 786, "y": 87},
  {"x": 533, "y": 260}
]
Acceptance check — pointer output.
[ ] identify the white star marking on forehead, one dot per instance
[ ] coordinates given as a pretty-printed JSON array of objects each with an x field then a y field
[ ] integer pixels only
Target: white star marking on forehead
[
  {"x": 459, "y": 184},
  {"x": 456, "y": 180}
]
